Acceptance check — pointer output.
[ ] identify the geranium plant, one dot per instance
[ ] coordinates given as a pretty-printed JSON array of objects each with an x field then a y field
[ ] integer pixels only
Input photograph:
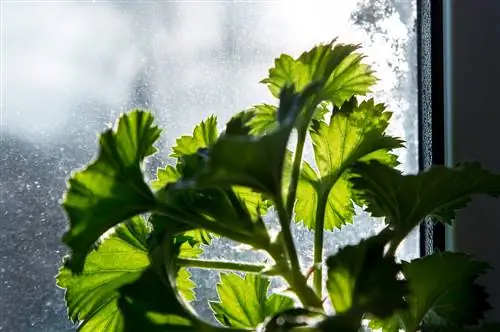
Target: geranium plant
[{"x": 132, "y": 242}]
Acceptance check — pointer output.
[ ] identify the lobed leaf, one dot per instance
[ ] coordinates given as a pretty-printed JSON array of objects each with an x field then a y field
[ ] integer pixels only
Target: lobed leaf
[
  {"x": 112, "y": 188},
  {"x": 204, "y": 135},
  {"x": 92, "y": 296},
  {"x": 338, "y": 66},
  {"x": 445, "y": 302},
  {"x": 151, "y": 304},
  {"x": 262, "y": 119},
  {"x": 254, "y": 162},
  {"x": 405, "y": 200},
  {"x": 244, "y": 301},
  {"x": 363, "y": 279},
  {"x": 155, "y": 301},
  {"x": 355, "y": 133},
  {"x": 237, "y": 206}
]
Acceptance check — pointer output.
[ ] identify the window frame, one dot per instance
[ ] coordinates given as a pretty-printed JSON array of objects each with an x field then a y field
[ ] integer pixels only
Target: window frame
[{"x": 431, "y": 106}]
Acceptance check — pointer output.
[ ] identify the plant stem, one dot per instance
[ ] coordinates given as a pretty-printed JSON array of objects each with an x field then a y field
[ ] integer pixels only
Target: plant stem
[
  {"x": 306, "y": 294},
  {"x": 294, "y": 180},
  {"x": 290, "y": 251},
  {"x": 220, "y": 265},
  {"x": 293, "y": 274},
  {"x": 297, "y": 282},
  {"x": 319, "y": 231}
]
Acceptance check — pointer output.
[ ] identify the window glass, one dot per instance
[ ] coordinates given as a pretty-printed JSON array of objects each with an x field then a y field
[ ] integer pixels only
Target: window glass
[{"x": 69, "y": 68}]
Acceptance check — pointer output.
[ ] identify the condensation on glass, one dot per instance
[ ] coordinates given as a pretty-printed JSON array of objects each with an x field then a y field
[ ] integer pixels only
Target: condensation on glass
[{"x": 70, "y": 68}]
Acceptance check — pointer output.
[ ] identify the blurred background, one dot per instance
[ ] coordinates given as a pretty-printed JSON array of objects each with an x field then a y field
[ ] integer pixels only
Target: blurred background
[{"x": 69, "y": 68}]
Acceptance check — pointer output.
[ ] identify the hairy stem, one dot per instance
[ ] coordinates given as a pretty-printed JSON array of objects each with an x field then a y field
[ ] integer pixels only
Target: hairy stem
[
  {"x": 220, "y": 265},
  {"x": 294, "y": 180},
  {"x": 318, "y": 243}
]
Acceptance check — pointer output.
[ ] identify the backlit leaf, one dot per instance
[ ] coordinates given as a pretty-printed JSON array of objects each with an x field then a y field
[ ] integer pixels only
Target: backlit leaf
[
  {"x": 92, "y": 296},
  {"x": 362, "y": 278},
  {"x": 254, "y": 162},
  {"x": 337, "y": 65},
  {"x": 151, "y": 304},
  {"x": 243, "y": 301},
  {"x": 112, "y": 188},
  {"x": 204, "y": 135},
  {"x": 263, "y": 118},
  {"x": 355, "y": 133}
]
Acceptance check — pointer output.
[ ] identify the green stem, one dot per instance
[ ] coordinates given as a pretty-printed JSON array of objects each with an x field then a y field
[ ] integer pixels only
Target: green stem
[
  {"x": 319, "y": 231},
  {"x": 294, "y": 180},
  {"x": 286, "y": 232},
  {"x": 306, "y": 294},
  {"x": 292, "y": 273},
  {"x": 297, "y": 282},
  {"x": 220, "y": 265}
]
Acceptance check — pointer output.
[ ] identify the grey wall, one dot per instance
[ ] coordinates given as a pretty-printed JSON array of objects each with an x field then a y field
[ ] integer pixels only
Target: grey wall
[{"x": 473, "y": 88}]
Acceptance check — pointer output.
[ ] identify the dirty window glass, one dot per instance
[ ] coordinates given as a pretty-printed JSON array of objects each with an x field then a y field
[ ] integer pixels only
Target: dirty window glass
[{"x": 71, "y": 67}]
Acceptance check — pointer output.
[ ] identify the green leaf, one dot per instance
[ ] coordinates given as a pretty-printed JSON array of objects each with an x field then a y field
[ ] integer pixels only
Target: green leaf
[
  {"x": 243, "y": 301},
  {"x": 164, "y": 177},
  {"x": 151, "y": 304},
  {"x": 262, "y": 119},
  {"x": 361, "y": 278},
  {"x": 238, "y": 206},
  {"x": 255, "y": 204},
  {"x": 92, "y": 296},
  {"x": 238, "y": 124},
  {"x": 204, "y": 135},
  {"x": 405, "y": 200},
  {"x": 355, "y": 133},
  {"x": 185, "y": 285},
  {"x": 391, "y": 324},
  {"x": 217, "y": 209},
  {"x": 442, "y": 291},
  {"x": 337, "y": 65},
  {"x": 254, "y": 162},
  {"x": 111, "y": 189},
  {"x": 154, "y": 302}
]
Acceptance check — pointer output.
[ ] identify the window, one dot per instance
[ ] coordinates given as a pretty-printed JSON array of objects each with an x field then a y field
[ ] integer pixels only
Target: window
[{"x": 70, "y": 67}]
